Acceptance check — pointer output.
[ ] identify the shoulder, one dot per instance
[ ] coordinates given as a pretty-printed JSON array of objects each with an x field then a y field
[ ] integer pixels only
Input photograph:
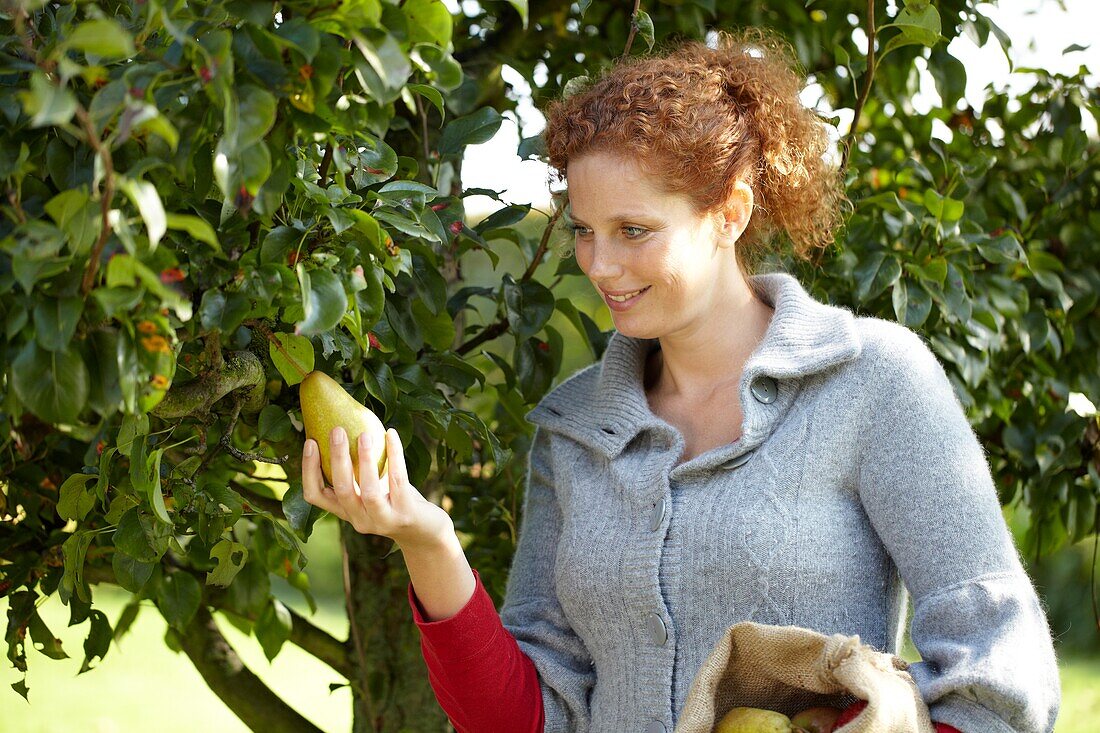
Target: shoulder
[
  {"x": 899, "y": 366},
  {"x": 889, "y": 347}
]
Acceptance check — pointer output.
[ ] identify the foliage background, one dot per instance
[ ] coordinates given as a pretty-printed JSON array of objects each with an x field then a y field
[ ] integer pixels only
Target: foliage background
[{"x": 203, "y": 200}]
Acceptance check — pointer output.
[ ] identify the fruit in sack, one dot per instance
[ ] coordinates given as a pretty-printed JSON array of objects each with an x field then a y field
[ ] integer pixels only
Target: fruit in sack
[
  {"x": 816, "y": 720},
  {"x": 850, "y": 713},
  {"x": 754, "y": 720}
]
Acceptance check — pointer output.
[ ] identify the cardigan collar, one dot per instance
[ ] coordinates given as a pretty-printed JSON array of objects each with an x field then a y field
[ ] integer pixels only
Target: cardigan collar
[{"x": 605, "y": 406}]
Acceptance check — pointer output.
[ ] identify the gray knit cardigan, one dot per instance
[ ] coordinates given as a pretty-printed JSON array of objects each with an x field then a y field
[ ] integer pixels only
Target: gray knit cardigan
[{"x": 857, "y": 483}]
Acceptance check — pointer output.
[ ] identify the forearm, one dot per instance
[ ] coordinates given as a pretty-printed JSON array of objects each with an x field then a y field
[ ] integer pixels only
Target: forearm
[{"x": 441, "y": 576}]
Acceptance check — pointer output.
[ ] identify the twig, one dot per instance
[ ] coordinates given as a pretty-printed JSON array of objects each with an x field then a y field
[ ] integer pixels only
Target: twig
[
  {"x": 227, "y": 438},
  {"x": 633, "y": 27},
  {"x": 864, "y": 93},
  {"x": 326, "y": 161},
  {"x": 498, "y": 328},
  {"x": 424, "y": 128},
  {"x": 105, "y": 199}
]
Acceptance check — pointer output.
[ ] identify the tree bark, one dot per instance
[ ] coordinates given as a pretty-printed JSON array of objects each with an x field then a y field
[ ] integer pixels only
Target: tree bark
[
  {"x": 242, "y": 691},
  {"x": 395, "y": 693}
]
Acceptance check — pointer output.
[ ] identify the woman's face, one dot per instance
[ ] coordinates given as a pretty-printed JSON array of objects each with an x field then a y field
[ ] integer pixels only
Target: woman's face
[{"x": 630, "y": 235}]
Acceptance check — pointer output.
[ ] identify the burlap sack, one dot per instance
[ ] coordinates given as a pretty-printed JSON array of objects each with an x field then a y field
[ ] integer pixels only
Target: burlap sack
[{"x": 788, "y": 669}]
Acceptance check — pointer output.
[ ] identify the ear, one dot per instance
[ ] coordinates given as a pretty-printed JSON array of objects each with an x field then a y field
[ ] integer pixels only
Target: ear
[{"x": 734, "y": 217}]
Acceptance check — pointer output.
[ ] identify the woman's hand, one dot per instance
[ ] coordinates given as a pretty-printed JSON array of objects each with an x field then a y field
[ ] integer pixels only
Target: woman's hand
[{"x": 388, "y": 506}]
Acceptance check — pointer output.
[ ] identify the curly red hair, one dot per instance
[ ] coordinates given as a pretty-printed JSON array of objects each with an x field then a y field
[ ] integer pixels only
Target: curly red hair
[{"x": 701, "y": 118}]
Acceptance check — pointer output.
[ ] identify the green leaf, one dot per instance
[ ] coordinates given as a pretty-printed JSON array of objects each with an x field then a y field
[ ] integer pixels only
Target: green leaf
[
  {"x": 429, "y": 20},
  {"x": 529, "y": 306},
  {"x": 137, "y": 535},
  {"x": 435, "y": 61},
  {"x": 74, "y": 499},
  {"x": 917, "y": 27},
  {"x": 198, "y": 228},
  {"x": 278, "y": 243},
  {"x": 55, "y": 321},
  {"x": 73, "y": 551},
  {"x": 324, "y": 301},
  {"x": 386, "y": 58},
  {"x": 48, "y": 103},
  {"x": 300, "y": 514},
  {"x": 438, "y": 329},
  {"x": 874, "y": 274},
  {"x": 102, "y": 37},
  {"x": 273, "y": 628},
  {"x": 302, "y": 35},
  {"x": 521, "y": 8},
  {"x": 274, "y": 424},
  {"x": 944, "y": 208},
  {"x": 131, "y": 573},
  {"x": 178, "y": 599},
  {"x": 156, "y": 494},
  {"x": 472, "y": 129},
  {"x": 255, "y": 116},
  {"x": 43, "y": 639},
  {"x": 145, "y": 197},
  {"x": 231, "y": 557},
  {"x": 298, "y": 359},
  {"x": 645, "y": 27},
  {"x": 126, "y": 619},
  {"x": 78, "y": 216},
  {"x": 99, "y": 638},
  {"x": 51, "y": 384}
]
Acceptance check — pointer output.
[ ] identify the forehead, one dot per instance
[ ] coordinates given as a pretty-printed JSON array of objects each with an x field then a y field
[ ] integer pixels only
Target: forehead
[{"x": 606, "y": 185}]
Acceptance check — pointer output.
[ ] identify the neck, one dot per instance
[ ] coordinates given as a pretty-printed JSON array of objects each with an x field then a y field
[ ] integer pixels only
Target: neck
[{"x": 697, "y": 364}]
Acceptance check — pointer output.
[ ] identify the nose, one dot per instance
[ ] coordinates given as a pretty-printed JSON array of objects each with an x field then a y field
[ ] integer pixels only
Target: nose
[{"x": 603, "y": 265}]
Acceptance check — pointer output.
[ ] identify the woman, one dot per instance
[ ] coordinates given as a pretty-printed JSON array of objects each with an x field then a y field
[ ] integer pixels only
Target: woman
[{"x": 741, "y": 452}]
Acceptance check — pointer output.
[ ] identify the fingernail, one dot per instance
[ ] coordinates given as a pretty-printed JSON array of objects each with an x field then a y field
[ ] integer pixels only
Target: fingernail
[
  {"x": 338, "y": 436},
  {"x": 309, "y": 448}
]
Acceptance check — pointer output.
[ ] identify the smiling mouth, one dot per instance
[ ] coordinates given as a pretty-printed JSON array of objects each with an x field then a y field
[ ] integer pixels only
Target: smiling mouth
[{"x": 626, "y": 297}]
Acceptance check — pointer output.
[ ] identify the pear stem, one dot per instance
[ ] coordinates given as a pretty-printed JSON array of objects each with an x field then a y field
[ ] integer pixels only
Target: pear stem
[{"x": 267, "y": 334}]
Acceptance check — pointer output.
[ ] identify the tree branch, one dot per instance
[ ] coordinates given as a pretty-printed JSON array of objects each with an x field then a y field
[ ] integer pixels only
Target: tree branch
[
  {"x": 303, "y": 633},
  {"x": 239, "y": 688},
  {"x": 864, "y": 93},
  {"x": 242, "y": 369},
  {"x": 105, "y": 198},
  {"x": 633, "y": 28},
  {"x": 498, "y": 328}
]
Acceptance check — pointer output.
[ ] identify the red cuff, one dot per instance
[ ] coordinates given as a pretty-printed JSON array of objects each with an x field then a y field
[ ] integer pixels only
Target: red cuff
[
  {"x": 945, "y": 728},
  {"x": 466, "y": 634}
]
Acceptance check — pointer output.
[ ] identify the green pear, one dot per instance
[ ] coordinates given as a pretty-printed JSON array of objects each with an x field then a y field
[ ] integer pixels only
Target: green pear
[
  {"x": 816, "y": 720},
  {"x": 326, "y": 405},
  {"x": 754, "y": 720}
]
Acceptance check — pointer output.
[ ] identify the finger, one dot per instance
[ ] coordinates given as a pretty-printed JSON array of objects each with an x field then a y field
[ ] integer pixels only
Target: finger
[
  {"x": 343, "y": 479},
  {"x": 396, "y": 469},
  {"x": 313, "y": 482},
  {"x": 372, "y": 491}
]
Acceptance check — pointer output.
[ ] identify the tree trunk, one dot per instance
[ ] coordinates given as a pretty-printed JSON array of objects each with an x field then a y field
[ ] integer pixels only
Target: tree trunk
[{"x": 391, "y": 693}]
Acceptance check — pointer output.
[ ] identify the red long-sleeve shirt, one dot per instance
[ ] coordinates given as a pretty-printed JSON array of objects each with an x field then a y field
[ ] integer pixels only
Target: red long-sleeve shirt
[{"x": 481, "y": 678}]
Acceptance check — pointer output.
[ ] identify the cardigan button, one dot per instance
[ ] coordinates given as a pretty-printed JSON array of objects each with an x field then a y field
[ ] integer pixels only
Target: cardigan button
[
  {"x": 765, "y": 390},
  {"x": 657, "y": 630},
  {"x": 737, "y": 462},
  {"x": 655, "y": 726},
  {"x": 658, "y": 515}
]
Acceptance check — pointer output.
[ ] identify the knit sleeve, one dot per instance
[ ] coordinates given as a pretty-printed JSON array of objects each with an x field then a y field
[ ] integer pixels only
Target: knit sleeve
[
  {"x": 531, "y": 611},
  {"x": 988, "y": 661}
]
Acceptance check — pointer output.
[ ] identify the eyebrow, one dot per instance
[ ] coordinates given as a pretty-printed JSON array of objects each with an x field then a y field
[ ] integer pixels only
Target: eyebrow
[{"x": 615, "y": 217}]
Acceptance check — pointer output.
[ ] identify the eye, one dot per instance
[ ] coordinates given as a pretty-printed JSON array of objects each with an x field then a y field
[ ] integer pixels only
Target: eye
[
  {"x": 578, "y": 230},
  {"x": 639, "y": 232}
]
